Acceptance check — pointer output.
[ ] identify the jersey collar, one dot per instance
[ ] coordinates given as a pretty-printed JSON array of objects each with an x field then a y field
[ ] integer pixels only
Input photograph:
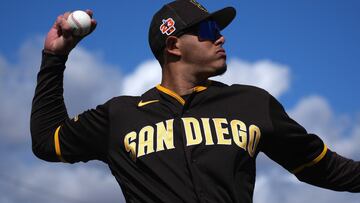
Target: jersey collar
[{"x": 177, "y": 97}]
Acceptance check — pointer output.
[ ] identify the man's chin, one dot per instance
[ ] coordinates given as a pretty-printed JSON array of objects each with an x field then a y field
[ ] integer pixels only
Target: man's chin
[{"x": 220, "y": 71}]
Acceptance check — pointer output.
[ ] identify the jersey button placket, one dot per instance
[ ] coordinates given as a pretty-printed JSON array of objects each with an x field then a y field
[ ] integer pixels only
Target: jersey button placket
[{"x": 192, "y": 161}]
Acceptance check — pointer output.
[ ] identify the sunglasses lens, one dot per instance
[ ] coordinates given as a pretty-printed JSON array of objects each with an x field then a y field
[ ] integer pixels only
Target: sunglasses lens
[{"x": 209, "y": 30}]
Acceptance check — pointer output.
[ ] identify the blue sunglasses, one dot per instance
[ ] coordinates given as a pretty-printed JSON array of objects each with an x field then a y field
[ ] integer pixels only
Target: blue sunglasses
[{"x": 207, "y": 30}]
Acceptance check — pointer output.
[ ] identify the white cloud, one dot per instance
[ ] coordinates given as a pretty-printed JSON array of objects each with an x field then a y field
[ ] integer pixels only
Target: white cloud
[
  {"x": 266, "y": 74},
  {"x": 145, "y": 76},
  {"x": 315, "y": 114},
  {"x": 56, "y": 183},
  {"x": 89, "y": 81},
  {"x": 16, "y": 90},
  {"x": 338, "y": 131},
  {"x": 276, "y": 186},
  {"x": 348, "y": 145}
]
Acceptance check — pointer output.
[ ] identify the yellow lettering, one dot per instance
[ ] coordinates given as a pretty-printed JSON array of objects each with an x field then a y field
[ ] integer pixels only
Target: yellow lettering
[
  {"x": 207, "y": 131},
  {"x": 221, "y": 131},
  {"x": 192, "y": 138},
  {"x": 130, "y": 146},
  {"x": 142, "y": 143},
  {"x": 146, "y": 139},
  {"x": 165, "y": 135},
  {"x": 238, "y": 129},
  {"x": 254, "y": 137}
]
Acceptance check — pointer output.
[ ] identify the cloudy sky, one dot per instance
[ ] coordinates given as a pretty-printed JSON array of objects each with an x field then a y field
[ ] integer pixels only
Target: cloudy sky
[{"x": 306, "y": 53}]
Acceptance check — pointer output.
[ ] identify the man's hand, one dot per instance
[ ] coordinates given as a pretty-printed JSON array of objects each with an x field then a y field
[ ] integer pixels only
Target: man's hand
[{"x": 60, "y": 40}]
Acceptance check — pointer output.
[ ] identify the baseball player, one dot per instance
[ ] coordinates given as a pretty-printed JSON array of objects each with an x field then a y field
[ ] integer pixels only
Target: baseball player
[{"x": 189, "y": 139}]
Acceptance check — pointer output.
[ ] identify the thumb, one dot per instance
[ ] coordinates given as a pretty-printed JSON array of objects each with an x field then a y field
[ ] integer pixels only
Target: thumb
[{"x": 66, "y": 29}]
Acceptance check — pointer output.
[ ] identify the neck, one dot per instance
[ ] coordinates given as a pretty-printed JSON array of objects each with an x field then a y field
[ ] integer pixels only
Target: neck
[{"x": 181, "y": 80}]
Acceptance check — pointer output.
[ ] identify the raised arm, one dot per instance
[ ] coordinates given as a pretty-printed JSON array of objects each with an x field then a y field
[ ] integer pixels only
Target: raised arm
[{"x": 56, "y": 137}]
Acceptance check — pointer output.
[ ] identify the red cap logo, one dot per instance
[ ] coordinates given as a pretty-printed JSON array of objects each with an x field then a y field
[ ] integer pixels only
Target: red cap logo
[{"x": 167, "y": 26}]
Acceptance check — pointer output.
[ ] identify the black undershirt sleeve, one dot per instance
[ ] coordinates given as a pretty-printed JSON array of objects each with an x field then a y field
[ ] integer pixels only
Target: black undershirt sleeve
[
  {"x": 56, "y": 137},
  {"x": 305, "y": 154}
]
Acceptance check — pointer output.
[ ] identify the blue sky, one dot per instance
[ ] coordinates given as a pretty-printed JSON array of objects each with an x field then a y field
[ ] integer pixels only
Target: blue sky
[
  {"x": 318, "y": 40},
  {"x": 307, "y": 53}
]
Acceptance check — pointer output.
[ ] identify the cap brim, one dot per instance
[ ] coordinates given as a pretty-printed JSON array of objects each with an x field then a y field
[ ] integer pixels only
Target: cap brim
[{"x": 224, "y": 16}]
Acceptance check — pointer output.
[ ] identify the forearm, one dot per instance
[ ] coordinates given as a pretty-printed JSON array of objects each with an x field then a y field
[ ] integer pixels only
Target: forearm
[
  {"x": 333, "y": 172},
  {"x": 48, "y": 107}
]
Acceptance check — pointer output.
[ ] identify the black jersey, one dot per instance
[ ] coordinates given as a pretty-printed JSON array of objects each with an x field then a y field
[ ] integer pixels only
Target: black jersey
[{"x": 163, "y": 147}]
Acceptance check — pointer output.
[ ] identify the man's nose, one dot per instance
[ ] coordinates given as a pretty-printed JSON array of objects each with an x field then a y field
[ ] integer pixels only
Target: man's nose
[{"x": 220, "y": 40}]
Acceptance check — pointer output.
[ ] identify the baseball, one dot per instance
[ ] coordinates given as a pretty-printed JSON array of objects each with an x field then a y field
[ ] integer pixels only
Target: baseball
[{"x": 80, "y": 22}]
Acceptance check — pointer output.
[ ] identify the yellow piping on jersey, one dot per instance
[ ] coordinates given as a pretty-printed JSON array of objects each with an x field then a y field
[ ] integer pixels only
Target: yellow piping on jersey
[
  {"x": 171, "y": 93},
  {"x": 57, "y": 144},
  {"x": 313, "y": 162},
  {"x": 178, "y": 97},
  {"x": 202, "y": 88},
  {"x": 199, "y": 88}
]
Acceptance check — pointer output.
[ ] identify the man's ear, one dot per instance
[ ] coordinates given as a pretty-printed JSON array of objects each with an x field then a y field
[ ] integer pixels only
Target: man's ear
[{"x": 171, "y": 46}]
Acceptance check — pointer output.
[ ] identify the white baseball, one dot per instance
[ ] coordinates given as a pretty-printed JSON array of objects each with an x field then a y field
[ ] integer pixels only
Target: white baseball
[{"x": 80, "y": 22}]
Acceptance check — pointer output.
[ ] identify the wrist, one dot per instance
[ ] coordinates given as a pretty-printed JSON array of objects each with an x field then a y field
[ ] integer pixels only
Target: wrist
[
  {"x": 50, "y": 59},
  {"x": 50, "y": 52}
]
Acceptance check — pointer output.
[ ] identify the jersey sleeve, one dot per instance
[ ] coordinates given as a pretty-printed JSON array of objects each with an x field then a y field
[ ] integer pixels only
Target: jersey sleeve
[
  {"x": 84, "y": 137},
  {"x": 56, "y": 137},
  {"x": 288, "y": 143},
  {"x": 306, "y": 156}
]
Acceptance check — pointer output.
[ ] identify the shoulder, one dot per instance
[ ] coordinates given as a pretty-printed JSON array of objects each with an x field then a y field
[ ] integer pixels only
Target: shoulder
[
  {"x": 123, "y": 100},
  {"x": 240, "y": 88},
  {"x": 130, "y": 102}
]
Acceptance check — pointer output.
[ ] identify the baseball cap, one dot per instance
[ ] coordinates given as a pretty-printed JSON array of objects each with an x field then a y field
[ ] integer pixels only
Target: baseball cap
[{"x": 175, "y": 17}]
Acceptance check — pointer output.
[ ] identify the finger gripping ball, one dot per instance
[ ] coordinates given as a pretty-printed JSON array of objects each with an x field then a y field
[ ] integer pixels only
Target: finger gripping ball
[{"x": 80, "y": 22}]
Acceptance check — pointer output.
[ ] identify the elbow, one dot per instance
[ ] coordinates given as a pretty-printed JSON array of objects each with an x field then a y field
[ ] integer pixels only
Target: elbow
[
  {"x": 43, "y": 150},
  {"x": 42, "y": 142},
  {"x": 42, "y": 137},
  {"x": 42, "y": 154},
  {"x": 38, "y": 152}
]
